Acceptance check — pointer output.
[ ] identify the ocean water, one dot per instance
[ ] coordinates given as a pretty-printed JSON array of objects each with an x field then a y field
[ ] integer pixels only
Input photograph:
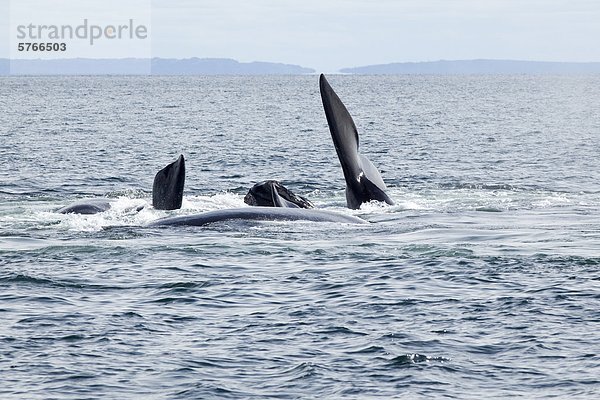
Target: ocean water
[{"x": 482, "y": 280}]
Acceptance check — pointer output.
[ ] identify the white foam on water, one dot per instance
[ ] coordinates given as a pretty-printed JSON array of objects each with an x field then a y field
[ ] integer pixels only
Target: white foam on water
[
  {"x": 552, "y": 200},
  {"x": 214, "y": 202},
  {"x": 457, "y": 200},
  {"x": 123, "y": 211}
]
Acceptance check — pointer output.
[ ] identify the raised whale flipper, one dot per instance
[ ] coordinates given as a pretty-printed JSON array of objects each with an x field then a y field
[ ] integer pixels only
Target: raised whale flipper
[
  {"x": 167, "y": 191},
  {"x": 363, "y": 181}
]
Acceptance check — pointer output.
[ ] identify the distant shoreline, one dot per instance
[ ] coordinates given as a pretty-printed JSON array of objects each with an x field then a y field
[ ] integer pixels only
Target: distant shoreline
[
  {"x": 224, "y": 66},
  {"x": 469, "y": 67},
  {"x": 154, "y": 66}
]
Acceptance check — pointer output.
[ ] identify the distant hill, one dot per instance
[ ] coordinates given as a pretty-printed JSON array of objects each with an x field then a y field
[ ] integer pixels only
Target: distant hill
[
  {"x": 458, "y": 67},
  {"x": 155, "y": 66},
  {"x": 225, "y": 66}
]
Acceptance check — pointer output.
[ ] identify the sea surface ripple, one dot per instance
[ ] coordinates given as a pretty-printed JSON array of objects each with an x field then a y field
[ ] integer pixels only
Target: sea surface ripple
[{"x": 482, "y": 280}]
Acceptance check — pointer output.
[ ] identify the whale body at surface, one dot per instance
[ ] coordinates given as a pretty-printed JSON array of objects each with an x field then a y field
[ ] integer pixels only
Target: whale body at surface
[
  {"x": 258, "y": 214},
  {"x": 87, "y": 206}
]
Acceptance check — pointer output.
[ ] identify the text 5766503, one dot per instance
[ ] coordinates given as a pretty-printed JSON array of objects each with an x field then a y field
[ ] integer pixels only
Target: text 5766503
[{"x": 33, "y": 46}]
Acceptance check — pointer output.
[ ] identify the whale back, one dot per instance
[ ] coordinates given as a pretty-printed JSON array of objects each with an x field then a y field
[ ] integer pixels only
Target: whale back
[
  {"x": 86, "y": 207},
  {"x": 258, "y": 214}
]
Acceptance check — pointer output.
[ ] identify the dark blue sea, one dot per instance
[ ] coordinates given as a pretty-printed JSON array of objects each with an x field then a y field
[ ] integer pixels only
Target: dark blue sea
[{"x": 482, "y": 281}]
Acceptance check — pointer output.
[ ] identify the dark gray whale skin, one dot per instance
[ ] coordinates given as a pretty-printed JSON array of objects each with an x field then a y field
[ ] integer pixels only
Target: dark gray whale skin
[
  {"x": 88, "y": 206},
  {"x": 167, "y": 190},
  {"x": 258, "y": 214},
  {"x": 363, "y": 181},
  {"x": 271, "y": 193}
]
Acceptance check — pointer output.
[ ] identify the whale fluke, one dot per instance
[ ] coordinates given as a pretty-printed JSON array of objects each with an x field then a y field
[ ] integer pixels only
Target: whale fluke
[
  {"x": 273, "y": 194},
  {"x": 167, "y": 191},
  {"x": 363, "y": 181}
]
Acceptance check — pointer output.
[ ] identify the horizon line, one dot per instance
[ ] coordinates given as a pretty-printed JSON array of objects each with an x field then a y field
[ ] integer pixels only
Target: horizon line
[{"x": 230, "y": 66}]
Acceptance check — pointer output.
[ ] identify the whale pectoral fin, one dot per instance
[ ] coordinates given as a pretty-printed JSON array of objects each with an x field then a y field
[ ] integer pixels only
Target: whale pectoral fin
[
  {"x": 167, "y": 190},
  {"x": 363, "y": 180},
  {"x": 279, "y": 201},
  {"x": 342, "y": 128}
]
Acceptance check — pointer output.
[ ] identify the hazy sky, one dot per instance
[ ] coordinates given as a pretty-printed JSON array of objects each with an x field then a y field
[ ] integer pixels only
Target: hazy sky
[{"x": 331, "y": 34}]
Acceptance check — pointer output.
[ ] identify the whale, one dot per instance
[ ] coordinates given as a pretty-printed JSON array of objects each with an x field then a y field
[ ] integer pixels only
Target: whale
[
  {"x": 167, "y": 192},
  {"x": 269, "y": 200},
  {"x": 271, "y": 193},
  {"x": 257, "y": 213},
  {"x": 87, "y": 206},
  {"x": 167, "y": 189},
  {"x": 363, "y": 181}
]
